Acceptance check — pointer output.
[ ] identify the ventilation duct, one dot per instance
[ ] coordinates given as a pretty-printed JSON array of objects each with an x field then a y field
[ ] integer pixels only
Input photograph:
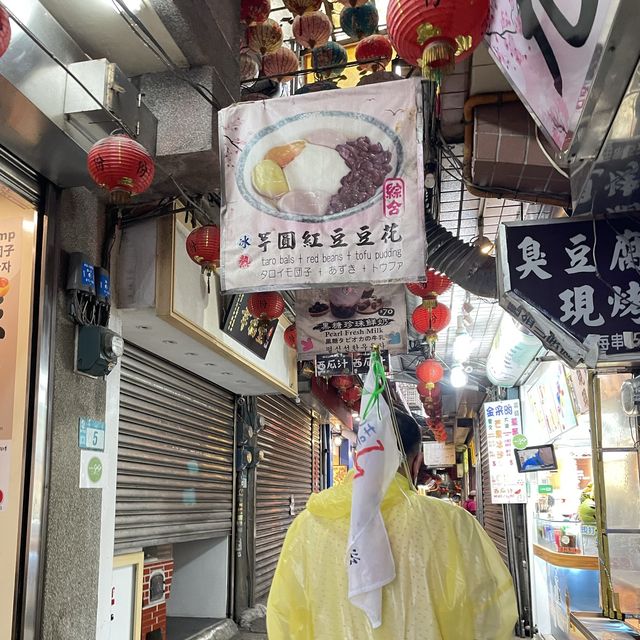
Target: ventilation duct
[{"x": 463, "y": 263}]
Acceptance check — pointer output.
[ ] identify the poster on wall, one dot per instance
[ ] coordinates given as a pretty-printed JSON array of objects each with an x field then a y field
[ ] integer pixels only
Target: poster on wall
[
  {"x": 248, "y": 330},
  {"x": 550, "y": 52},
  {"x": 439, "y": 455},
  {"x": 574, "y": 283},
  {"x": 578, "y": 387},
  {"x": 351, "y": 319},
  {"x": 503, "y": 423},
  {"x": 323, "y": 189}
]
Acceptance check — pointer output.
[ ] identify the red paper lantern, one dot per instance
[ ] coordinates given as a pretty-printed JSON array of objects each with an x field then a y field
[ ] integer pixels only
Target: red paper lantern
[
  {"x": 434, "y": 35},
  {"x": 5, "y": 31},
  {"x": 429, "y": 371},
  {"x": 300, "y": 7},
  {"x": 265, "y": 37},
  {"x": 249, "y": 66},
  {"x": 120, "y": 165},
  {"x": 291, "y": 336},
  {"x": 254, "y": 11},
  {"x": 280, "y": 64},
  {"x": 203, "y": 247},
  {"x": 341, "y": 382},
  {"x": 374, "y": 53},
  {"x": 429, "y": 393},
  {"x": 312, "y": 29},
  {"x": 426, "y": 319},
  {"x": 266, "y": 306},
  {"x": 351, "y": 395},
  {"x": 435, "y": 285}
]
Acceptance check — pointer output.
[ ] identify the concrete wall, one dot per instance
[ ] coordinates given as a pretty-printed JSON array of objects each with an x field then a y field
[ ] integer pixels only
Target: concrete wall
[{"x": 71, "y": 562}]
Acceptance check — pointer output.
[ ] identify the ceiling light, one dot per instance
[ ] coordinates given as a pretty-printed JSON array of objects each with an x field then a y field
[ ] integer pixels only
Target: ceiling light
[
  {"x": 462, "y": 346},
  {"x": 133, "y": 5},
  {"x": 458, "y": 377},
  {"x": 484, "y": 244}
]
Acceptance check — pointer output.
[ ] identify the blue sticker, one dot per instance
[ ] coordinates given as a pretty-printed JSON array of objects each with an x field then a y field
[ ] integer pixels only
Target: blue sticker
[
  {"x": 104, "y": 286},
  {"x": 88, "y": 275},
  {"x": 91, "y": 434}
]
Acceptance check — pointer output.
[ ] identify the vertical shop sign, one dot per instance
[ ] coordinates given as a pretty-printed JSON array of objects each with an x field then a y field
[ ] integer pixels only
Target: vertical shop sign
[
  {"x": 323, "y": 189},
  {"x": 351, "y": 319},
  {"x": 250, "y": 332},
  {"x": 10, "y": 260},
  {"x": 550, "y": 50},
  {"x": 575, "y": 284},
  {"x": 503, "y": 422}
]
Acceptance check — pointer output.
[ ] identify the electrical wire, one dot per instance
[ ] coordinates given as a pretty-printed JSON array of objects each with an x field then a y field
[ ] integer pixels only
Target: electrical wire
[
  {"x": 70, "y": 73},
  {"x": 147, "y": 38}
]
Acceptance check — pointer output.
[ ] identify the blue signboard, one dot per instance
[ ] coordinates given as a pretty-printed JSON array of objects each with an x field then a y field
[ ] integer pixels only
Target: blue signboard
[
  {"x": 575, "y": 283},
  {"x": 91, "y": 434}
]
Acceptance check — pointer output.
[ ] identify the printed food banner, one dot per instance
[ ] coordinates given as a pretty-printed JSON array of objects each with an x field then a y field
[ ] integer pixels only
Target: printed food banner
[
  {"x": 323, "y": 189},
  {"x": 348, "y": 319}
]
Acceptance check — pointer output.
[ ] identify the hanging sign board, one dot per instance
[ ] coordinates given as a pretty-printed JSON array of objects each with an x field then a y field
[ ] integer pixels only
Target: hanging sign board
[
  {"x": 503, "y": 423},
  {"x": 550, "y": 51},
  {"x": 578, "y": 293},
  {"x": 351, "y": 319},
  {"x": 248, "y": 330},
  {"x": 439, "y": 455},
  {"x": 323, "y": 189},
  {"x": 346, "y": 364}
]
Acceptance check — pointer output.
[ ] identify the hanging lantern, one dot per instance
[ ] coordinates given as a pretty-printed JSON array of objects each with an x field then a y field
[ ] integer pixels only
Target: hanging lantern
[
  {"x": 249, "y": 66},
  {"x": 341, "y": 382},
  {"x": 291, "y": 336},
  {"x": 436, "y": 284},
  {"x": 426, "y": 319},
  {"x": 266, "y": 306},
  {"x": 434, "y": 35},
  {"x": 265, "y": 37},
  {"x": 353, "y": 3},
  {"x": 429, "y": 371},
  {"x": 331, "y": 55},
  {"x": 351, "y": 395},
  {"x": 374, "y": 53},
  {"x": 359, "y": 22},
  {"x": 312, "y": 29},
  {"x": 254, "y": 11},
  {"x": 120, "y": 165},
  {"x": 203, "y": 247},
  {"x": 5, "y": 31},
  {"x": 300, "y": 7},
  {"x": 280, "y": 64},
  {"x": 429, "y": 393}
]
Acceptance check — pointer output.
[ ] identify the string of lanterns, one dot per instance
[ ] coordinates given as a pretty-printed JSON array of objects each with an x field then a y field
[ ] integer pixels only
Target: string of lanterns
[
  {"x": 431, "y": 316},
  {"x": 5, "y": 31}
]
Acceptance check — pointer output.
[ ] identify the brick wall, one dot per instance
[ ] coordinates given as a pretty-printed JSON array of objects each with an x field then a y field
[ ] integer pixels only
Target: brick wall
[{"x": 154, "y": 615}]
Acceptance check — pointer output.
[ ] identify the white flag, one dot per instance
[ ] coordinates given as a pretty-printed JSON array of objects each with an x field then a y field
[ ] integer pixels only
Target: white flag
[{"x": 369, "y": 557}]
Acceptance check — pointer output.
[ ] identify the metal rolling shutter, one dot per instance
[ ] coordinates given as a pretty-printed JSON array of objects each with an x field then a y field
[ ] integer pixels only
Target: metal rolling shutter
[
  {"x": 491, "y": 515},
  {"x": 286, "y": 473},
  {"x": 18, "y": 176},
  {"x": 175, "y": 455}
]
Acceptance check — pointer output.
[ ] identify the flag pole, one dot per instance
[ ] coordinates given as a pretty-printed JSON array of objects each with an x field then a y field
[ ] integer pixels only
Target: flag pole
[{"x": 386, "y": 394}]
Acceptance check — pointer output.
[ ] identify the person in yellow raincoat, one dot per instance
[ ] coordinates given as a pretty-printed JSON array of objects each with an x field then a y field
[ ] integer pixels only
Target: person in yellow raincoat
[{"x": 450, "y": 584}]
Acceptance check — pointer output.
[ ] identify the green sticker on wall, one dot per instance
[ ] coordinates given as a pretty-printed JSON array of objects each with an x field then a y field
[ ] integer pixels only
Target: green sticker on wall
[
  {"x": 520, "y": 441},
  {"x": 545, "y": 488},
  {"x": 94, "y": 469}
]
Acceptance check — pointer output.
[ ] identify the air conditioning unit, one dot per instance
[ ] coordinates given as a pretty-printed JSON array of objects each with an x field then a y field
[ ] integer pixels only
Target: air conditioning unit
[{"x": 630, "y": 397}]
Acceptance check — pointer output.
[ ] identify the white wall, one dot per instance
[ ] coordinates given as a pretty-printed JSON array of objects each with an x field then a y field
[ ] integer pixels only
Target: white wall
[{"x": 200, "y": 579}]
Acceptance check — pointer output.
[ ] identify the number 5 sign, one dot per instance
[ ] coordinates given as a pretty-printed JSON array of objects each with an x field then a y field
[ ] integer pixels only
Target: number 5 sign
[{"x": 549, "y": 50}]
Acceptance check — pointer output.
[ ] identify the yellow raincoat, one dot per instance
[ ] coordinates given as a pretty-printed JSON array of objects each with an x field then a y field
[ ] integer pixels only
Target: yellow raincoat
[{"x": 451, "y": 583}]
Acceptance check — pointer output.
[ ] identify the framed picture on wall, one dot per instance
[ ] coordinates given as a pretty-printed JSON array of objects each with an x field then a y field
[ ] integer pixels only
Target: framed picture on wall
[{"x": 126, "y": 596}]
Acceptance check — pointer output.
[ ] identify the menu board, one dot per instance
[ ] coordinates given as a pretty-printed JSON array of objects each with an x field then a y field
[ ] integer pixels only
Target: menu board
[
  {"x": 439, "y": 455},
  {"x": 503, "y": 422}
]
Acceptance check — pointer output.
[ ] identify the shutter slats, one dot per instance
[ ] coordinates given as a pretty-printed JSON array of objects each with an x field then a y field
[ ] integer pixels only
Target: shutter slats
[
  {"x": 492, "y": 514},
  {"x": 19, "y": 177},
  {"x": 285, "y": 471},
  {"x": 175, "y": 455}
]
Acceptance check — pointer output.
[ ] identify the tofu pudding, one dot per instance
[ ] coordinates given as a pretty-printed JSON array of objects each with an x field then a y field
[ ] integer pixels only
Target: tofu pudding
[{"x": 322, "y": 174}]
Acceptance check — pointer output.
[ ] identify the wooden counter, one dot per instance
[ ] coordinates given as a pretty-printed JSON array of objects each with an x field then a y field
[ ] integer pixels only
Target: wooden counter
[{"x": 566, "y": 560}]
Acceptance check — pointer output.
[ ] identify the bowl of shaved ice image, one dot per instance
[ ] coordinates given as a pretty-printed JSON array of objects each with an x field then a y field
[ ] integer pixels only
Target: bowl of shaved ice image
[{"x": 316, "y": 167}]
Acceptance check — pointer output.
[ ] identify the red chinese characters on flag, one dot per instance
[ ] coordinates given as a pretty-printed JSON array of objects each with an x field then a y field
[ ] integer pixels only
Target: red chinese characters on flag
[{"x": 393, "y": 197}]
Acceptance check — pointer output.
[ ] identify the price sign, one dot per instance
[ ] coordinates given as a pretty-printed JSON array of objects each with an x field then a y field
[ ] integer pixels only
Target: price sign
[
  {"x": 91, "y": 434},
  {"x": 334, "y": 364},
  {"x": 361, "y": 362}
]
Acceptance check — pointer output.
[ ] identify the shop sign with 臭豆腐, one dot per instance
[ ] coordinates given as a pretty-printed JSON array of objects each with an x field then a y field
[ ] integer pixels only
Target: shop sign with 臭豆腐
[
  {"x": 503, "y": 424},
  {"x": 323, "y": 189},
  {"x": 351, "y": 319},
  {"x": 550, "y": 51},
  {"x": 575, "y": 284}
]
